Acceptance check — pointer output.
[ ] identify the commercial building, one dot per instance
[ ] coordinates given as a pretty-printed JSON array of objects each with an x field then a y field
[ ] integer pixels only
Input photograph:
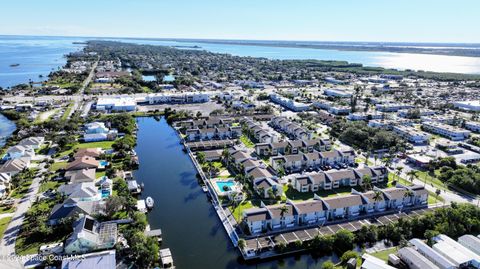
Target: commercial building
[
  {"x": 468, "y": 105},
  {"x": 120, "y": 103},
  {"x": 289, "y": 103},
  {"x": 180, "y": 98},
  {"x": 411, "y": 134},
  {"x": 337, "y": 93}
]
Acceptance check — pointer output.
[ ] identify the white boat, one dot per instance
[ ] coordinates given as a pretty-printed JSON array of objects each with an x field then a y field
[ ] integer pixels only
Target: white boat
[
  {"x": 149, "y": 202},
  {"x": 204, "y": 188}
]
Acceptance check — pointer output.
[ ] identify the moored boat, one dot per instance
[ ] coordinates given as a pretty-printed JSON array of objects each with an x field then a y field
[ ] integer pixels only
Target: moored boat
[{"x": 149, "y": 202}]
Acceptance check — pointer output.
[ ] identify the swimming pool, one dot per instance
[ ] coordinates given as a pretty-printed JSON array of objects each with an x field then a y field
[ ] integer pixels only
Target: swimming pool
[
  {"x": 225, "y": 186},
  {"x": 103, "y": 163}
]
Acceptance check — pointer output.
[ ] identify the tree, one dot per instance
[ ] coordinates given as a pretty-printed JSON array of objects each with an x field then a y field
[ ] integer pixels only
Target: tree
[
  {"x": 412, "y": 175},
  {"x": 328, "y": 265},
  {"x": 343, "y": 240},
  {"x": 367, "y": 182},
  {"x": 201, "y": 157},
  {"x": 242, "y": 243},
  {"x": 113, "y": 204},
  {"x": 348, "y": 255}
]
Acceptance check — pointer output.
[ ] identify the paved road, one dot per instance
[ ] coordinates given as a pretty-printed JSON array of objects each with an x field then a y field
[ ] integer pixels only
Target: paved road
[{"x": 7, "y": 244}]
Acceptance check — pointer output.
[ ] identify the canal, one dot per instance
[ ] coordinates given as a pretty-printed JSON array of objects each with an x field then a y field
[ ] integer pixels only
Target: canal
[
  {"x": 190, "y": 226},
  {"x": 7, "y": 127}
]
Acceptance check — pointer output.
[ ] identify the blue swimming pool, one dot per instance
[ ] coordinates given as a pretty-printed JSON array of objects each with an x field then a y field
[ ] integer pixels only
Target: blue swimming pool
[
  {"x": 225, "y": 186},
  {"x": 103, "y": 163}
]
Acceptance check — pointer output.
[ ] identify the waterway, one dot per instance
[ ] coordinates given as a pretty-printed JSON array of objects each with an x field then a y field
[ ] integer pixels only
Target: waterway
[
  {"x": 190, "y": 226},
  {"x": 38, "y": 55},
  {"x": 7, "y": 127}
]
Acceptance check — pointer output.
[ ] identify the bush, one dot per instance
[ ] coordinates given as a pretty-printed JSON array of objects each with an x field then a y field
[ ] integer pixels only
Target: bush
[{"x": 348, "y": 255}]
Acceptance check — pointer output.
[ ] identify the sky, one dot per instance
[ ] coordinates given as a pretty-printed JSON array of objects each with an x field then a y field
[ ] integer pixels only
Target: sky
[{"x": 317, "y": 20}]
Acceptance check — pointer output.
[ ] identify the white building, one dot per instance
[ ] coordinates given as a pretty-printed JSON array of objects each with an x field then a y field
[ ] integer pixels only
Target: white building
[
  {"x": 391, "y": 107},
  {"x": 180, "y": 98},
  {"x": 364, "y": 116},
  {"x": 120, "y": 103},
  {"x": 455, "y": 252},
  {"x": 471, "y": 242},
  {"x": 473, "y": 126},
  {"x": 429, "y": 253},
  {"x": 337, "y": 93},
  {"x": 411, "y": 134},
  {"x": 289, "y": 103},
  {"x": 468, "y": 105},
  {"x": 451, "y": 132}
]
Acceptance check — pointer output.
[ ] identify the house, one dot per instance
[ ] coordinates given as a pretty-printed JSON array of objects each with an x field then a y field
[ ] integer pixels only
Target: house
[
  {"x": 414, "y": 260},
  {"x": 84, "y": 162},
  {"x": 97, "y": 131},
  {"x": 34, "y": 142},
  {"x": 81, "y": 175},
  {"x": 267, "y": 187},
  {"x": 258, "y": 173},
  {"x": 5, "y": 179},
  {"x": 311, "y": 212},
  {"x": 81, "y": 191},
  {"x": 19, "y": 151},
  {"x": 376, "y": 201},
  {"x": 89, "y": 152},
  {"x": 13, "y": 167},
  {"x": 73, "y": 207},
  {"x": 103, "y": 260},
  {"x": 292, "y": 162},
  {"x": 346, "y": 206},
  {"x": 90, "y": 235},
  {"x": 340, "y": 178}
]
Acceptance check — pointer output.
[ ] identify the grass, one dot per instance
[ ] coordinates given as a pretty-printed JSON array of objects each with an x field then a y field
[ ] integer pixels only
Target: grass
[
  {"x": 237, "y": 211},
  {"x": 99, "y": 174},
  {"x": 100, "y": 144},
  {"x": 294, "y": 195},
  {"x": 432, "y": 180},
  {"x": 21, "y": 190},
  {"x": 57, "y": 166},
  {"x": 432, "y": 199},
  {"x": 383, "y": 254},
  {"x": 7, "y": 209},
  {"x": 4, "y": 224},
  {"x": 67, "y": 111},
  {"x": 47, "y": 185},
  {"x": 246, "y": 141}
]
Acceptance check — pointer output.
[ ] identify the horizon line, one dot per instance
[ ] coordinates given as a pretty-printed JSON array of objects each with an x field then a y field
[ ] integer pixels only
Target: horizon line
[{"x": 238, "y": 39}]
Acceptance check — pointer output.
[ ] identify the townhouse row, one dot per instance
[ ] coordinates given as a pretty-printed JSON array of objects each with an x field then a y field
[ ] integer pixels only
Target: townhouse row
[
  {"x": 321, "y": 211},
  {"x": 213, "y": 133},
  {"x": 451, "y": 132},
  {"x": 334, "y": 179},
  {"x": 289, "y": 103},
  {"x": 211, "y": 122},
  {"x": 293, "y": 147},
  {"x": 291, "y": 129},
  {"x": 411, "y": 134},
  {"x": 312, "y": 160},
  {"x": 258, "y": 132}
]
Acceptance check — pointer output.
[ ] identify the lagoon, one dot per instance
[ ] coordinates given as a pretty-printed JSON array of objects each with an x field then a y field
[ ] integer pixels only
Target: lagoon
[{"x": 7, "y": 127}]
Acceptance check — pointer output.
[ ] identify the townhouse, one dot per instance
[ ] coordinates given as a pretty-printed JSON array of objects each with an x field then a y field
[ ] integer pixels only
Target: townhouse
[
  {"x": 473, "y": 126},
  {"x": 392, "y": 107},
  {"x": 198, "y": 134},
  {"x": 411, "y": 134},
  {"x": 363, "y": 116},
  {"x": 311, "y": 160},
  {"x": 321, "y": 211},
  {"x": 258, "y": 132},
  {"x": 451, "y": 132},
  {"x": 291, "y": 129},
  {"x": 338, "y": 178}
]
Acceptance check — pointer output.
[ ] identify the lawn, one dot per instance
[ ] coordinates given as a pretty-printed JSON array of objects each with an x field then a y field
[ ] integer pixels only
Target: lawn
[
  {"x": 67, "y": 111},
  {"x": 294, "y": 195},
  {"x": 432, "y": 200},
  {"x": 431, "y": 179},
  {"x": 246, "y": 141},
  {"x": 100, "y": 144},
  {"x": 4, "y": 224},
  {"x": 57, "y": 165},
  {"x": 7, "y": 209},
  {"x": 49, "y": 185},
  {"x": 99, "y": 174},
  {"x": 383, "y": 255},
  {"x": 21, "y": 190},
  {"x": 237, "y": 211}
]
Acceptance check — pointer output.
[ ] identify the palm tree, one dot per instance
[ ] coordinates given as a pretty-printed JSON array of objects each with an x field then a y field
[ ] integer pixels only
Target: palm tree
[
  {"x": 225, "y": 156},
  {"x": 283, "y": 210},
  {"x": 412, "y": 175},
  {"x": 437, "y": 193},
  {"x": 367, "y": 182},
  {"x": 408, "y": 194},
  {"x": 398, "y": 171}
]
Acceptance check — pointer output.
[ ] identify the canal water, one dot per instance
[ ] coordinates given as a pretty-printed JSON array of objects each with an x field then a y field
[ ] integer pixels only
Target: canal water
[
  {"x": 7, "y": 127},
  {"x": 190, "y": 226}
]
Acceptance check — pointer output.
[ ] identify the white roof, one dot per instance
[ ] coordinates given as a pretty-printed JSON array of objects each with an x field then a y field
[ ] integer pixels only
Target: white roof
[
  {"x": 431, "y": 254},
  {"x": 451, "y": 253},
  {"x": 371, "y": 262}
]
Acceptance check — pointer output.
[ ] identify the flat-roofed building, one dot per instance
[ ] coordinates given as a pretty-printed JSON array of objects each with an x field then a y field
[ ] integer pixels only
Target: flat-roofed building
[
  {"x": 451, "y": 132},
  {"x": 471, "y": 242},
  {"x": 414, "y": 259},
  {"x": 432, "y": 255}
]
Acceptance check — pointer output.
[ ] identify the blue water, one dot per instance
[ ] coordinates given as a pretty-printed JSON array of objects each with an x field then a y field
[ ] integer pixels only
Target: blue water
[
  {"x": 40, "y": 55},
  {"x": 103, "y": 163},
  {"x": 149, "y": 78},
  {"x": 7, "y": 127},
  {"x": 168, "y": 78},
  {"x": 222, "y": 184},
  {"x": 35, "y": 55}
]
